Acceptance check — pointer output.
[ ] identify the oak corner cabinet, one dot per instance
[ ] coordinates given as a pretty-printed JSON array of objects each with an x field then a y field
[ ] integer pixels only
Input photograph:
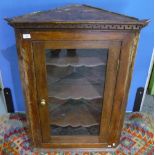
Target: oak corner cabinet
[{"x": 76, "y": 64}]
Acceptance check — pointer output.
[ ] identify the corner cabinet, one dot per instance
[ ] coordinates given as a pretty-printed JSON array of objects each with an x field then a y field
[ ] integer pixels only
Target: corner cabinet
[{"x": 76, "y": 64}]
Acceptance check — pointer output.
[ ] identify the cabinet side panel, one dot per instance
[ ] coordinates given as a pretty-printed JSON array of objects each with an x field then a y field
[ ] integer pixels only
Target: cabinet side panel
[
  {"x": 128, "y": 51},
  {"x": 27, "y": 71},
  {"x": 111, "y": 76},
  {"x": 132, "y": 50}
]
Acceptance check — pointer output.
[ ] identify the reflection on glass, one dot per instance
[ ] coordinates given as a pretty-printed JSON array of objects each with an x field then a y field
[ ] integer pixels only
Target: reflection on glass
[{"x": 75, "y": 79}]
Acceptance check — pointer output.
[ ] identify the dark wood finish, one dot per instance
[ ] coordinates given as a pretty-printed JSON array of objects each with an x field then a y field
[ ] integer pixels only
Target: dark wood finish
[
  {"x": 78, "y": 17},
  {"x": 120, "y": 90},
  {"x": 75, "y": 27},
  {"x": 112, "y": 67},
  {"x": 66, "y": 35},
  {"x": 130, "y": 45},
  {"x": 27, "y": 71},
  {"x": 110, "y": 82},
  {"x": 39, "y": 60},
  {"x": 74, "y": 13}
]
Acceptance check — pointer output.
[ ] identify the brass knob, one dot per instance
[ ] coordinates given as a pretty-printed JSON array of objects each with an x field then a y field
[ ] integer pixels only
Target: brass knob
[{"x": 43, "y": 102}]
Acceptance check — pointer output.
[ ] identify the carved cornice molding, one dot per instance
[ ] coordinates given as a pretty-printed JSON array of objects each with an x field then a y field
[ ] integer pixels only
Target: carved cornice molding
[{"x": 89, "y": 26}]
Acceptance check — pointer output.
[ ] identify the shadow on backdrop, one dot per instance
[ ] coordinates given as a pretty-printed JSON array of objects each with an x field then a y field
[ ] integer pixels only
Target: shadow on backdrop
[{"x": 10, "y": 54}]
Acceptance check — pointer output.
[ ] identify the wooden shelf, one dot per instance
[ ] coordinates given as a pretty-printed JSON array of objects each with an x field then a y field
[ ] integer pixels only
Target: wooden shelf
[
  {"x": 75, "y": 89},
  {"x": 80, "y": 130},
  {"x": 88, "y": 58},
  {"x": 75, "y": 62},
  {"x": 76, "y": 113},
  {"x": 82, "y": 83}
]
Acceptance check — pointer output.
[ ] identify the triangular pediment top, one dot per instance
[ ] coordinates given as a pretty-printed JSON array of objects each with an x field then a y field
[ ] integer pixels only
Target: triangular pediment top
[{"x": 75, "y": 14}]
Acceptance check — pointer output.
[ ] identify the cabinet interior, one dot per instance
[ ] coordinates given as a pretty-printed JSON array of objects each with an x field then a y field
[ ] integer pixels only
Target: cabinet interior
[{"x": 75, "y": 79}]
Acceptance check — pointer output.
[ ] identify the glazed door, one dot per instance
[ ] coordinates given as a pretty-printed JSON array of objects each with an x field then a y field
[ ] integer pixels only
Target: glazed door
[{"x": 75, "y": 88}]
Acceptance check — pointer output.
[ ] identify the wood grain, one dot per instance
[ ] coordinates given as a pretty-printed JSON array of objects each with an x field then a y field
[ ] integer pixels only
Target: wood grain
[
  {"x": 39, "y": 59},
  {"x": 27, "y": 70},
  {"x": 77, "y": 17},
  {"x": 122, "y": 87},
  {"x": 110, "y": 82},
  {"x": 121, "y": 52},
  {"x": 76, "y": 35},
  {"x": 113, "y": 56}
]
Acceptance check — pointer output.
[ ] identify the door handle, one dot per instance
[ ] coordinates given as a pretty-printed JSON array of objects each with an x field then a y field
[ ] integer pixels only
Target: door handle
[{"x": 43, "y": 102}]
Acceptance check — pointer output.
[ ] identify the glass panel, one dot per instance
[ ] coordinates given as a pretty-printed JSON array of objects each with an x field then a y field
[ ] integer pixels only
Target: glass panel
[{"x": 75, "y": 79}]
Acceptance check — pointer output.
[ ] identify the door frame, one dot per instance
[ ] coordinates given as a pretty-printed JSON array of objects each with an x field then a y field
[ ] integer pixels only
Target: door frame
[{"x": 114, "y": 48}]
